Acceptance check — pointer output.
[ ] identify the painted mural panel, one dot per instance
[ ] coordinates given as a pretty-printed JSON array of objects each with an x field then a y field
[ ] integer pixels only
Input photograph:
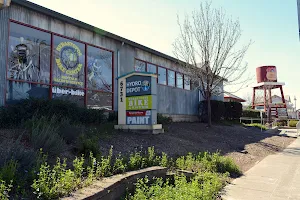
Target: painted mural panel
[
  {"x": 68, "y": 64},
  {"x": 99, "y": 69},
  {"x": 28, "y": 54}
]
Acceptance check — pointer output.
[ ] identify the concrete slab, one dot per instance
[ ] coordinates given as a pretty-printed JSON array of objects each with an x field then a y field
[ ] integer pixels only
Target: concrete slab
[{"x": 277, "y": 177}]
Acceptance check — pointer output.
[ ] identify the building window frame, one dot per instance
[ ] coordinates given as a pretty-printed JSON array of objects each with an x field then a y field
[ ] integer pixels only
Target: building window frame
[
  {"x": 51, "y": 84},
  {"x": 167, "y": 71}
]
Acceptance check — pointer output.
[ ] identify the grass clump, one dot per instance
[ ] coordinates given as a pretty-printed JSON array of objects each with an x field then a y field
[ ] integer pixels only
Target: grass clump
[
  {"x": 208, "y": 162},
  {"x": 257, "y": 125}
]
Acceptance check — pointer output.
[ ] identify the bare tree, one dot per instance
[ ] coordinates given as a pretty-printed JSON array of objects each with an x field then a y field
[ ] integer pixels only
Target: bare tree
[{"x": 207, "y": 49}]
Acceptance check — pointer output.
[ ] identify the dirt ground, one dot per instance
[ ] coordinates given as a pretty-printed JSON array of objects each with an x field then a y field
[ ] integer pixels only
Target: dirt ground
[{"x": 246, "y": 145}]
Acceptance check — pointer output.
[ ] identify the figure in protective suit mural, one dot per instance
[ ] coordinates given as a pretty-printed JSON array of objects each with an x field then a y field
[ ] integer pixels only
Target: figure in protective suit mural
[{"x": 25, "y": 60}]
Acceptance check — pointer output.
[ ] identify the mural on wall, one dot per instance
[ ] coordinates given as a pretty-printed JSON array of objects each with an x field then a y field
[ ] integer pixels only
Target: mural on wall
[
  {"x": 99, "y": 69},
  {"x": 28, "y": 55},
  {"x": 68, "y": 69}
]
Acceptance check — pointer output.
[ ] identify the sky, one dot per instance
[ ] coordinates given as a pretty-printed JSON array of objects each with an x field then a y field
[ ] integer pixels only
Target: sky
[{"x": 272, "y": 25}]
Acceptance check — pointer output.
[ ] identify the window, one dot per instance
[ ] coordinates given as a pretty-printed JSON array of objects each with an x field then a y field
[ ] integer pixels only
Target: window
[
  {"x": 187, "y": 83},
  {"x": 68, "y": 63},
  {"x": 140, "y": 66},
  {"x": 28, "y": 54},
  {"x": 99, "y": 75},
  {"x": 151, "y": 68},
  {"x": 29, "y": 73},
  {"x": 171, "y": 78},
  {"x": 162, "y": 76},
  {"x": 17, "y": 91},
  {"x": 179, "y": 80},
  {"x": 99, "y": 100}
]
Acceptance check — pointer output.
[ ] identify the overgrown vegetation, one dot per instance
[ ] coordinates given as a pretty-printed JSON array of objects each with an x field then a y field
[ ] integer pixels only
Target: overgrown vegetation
[
  {"x": 257, "y": 125},
  {"x": 15, "y": 115},
  {"x": 31, "y": 167},
  {"x": 204, "y": 185}
]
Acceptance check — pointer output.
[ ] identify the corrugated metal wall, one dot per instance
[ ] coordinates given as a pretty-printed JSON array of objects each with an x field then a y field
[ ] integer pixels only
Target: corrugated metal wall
[
  {"x": 175, "y": 101},
  {"x": 3, "y": 46}
]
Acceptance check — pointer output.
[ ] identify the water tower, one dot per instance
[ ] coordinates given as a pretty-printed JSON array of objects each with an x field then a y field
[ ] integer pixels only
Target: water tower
[{"x": 266, "y": 83}]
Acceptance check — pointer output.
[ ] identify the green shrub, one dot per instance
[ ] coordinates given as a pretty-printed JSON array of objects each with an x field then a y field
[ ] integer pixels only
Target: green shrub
[
  {"x": 70, "y": 132},
  {"x": 44, "y": 134},
  {"x": 217, "y": 110},
  {"x": 281, "y": 123},
  {"x": 252, "y": 113},
  {"x": 161, "y": 119},
  {"x": 203, "y": 186},
  {"x": 56, "y": 182},
  {"x": 233, "y": 110},
  {"x": 5, "y": 190},
  {"x": 112, "y": 117},
  {"x": 88, "y": 144},
  {"x": 293, "y": 123},
  {"x": 260, "y": 126},
  {"x": 15, "y": 115}
]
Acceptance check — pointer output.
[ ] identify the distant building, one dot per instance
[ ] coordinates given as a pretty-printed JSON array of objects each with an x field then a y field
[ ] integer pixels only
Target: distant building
[
  {"x": 228, "y": 97},
  {"x": 289, "y": 105}
]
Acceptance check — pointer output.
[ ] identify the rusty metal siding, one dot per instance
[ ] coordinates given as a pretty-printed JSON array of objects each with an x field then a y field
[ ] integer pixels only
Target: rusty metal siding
[{"x": 4, "y": 13}]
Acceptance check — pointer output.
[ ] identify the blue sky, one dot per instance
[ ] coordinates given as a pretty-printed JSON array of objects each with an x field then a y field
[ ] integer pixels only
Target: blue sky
[{"x": 271, "y": 24}]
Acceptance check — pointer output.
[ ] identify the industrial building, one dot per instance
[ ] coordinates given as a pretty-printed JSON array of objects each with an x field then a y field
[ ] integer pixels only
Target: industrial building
[{"x": 45, "y": 54}]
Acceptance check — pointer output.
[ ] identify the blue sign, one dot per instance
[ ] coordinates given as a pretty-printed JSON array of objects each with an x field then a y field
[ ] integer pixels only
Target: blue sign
[{"x": 138, "y": 85}]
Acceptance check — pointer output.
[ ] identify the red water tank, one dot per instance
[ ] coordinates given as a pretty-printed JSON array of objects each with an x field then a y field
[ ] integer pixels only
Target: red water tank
[{"x": 266, "y": 74}]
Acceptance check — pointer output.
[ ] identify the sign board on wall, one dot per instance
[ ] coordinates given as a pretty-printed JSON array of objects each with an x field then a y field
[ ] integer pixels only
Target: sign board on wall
[{"x": 137, "y": 99}]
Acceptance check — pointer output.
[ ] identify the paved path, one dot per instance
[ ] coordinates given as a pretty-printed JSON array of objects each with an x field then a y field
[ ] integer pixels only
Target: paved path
[
  {"x": 277, "y": 177},
  {"x": 288, "y": 132}
]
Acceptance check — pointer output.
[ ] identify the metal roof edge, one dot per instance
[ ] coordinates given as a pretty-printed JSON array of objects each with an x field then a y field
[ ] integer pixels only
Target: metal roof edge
[
  {"x": 89, "y": 27},
  {"x": 137, "y": 73}
]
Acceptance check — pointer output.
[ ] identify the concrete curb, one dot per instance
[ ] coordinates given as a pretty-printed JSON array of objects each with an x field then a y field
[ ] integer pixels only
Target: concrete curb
[{"x": 113, "y": 188}]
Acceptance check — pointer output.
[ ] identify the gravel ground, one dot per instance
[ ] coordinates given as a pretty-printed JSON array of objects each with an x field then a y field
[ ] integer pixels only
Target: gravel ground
[{"x": 246, "y": 145}]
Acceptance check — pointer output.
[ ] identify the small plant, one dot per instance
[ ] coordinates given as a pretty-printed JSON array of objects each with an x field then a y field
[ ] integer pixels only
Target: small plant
[
  {"x": 91, "y": 169},
  {"x": 161, "y": 119},
  {"x": 5, "y": 190},
  {"x": 78, "y": 169},
  {"x": 164, "y": 160},
  {"x": 119, "y": 165},
  {"x": 104, "y": 166},
  {"x": 8, "y": 171},
  {"x": 54, "y": 183},
  {"x": 44, "y": 134},
  {"x": 87, "y": 145},
  {"x": 136, "y": 161}
]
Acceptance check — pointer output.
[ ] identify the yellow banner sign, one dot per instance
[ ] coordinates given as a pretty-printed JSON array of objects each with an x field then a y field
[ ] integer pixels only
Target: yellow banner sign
[{"x": 139, "y": 103}]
